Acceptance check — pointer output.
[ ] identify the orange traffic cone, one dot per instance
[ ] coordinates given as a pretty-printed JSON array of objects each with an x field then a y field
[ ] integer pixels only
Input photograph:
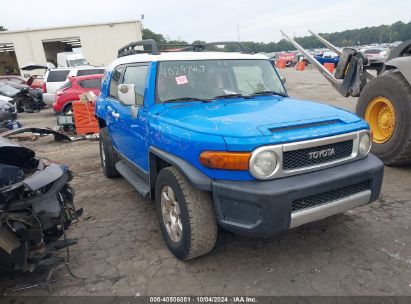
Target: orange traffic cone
[
  {"x": 281, "y": 64},
  {"x": 300, "y": 66}
]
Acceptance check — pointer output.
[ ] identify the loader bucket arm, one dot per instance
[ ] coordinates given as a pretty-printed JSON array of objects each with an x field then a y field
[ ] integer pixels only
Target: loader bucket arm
[
  {"x": 327, "y": 43},
  {"x": 334, "y": 49},
  {"x": 330, "y": 77}
]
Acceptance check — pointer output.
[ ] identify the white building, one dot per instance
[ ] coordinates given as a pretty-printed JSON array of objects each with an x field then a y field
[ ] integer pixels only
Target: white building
[{"x": 97, "y": 42}]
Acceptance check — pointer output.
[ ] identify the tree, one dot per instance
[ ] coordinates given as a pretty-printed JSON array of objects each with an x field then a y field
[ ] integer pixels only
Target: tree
[
  {"x": 148, "y": 34},
  {"x": 367, "y": 35},
  {"x": 2, "y": 28}
]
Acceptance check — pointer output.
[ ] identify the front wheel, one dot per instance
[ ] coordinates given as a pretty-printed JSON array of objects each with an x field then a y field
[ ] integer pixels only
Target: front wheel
[
  {"x": 385, "y": 103},
  {"x": 186, "y": 215}
]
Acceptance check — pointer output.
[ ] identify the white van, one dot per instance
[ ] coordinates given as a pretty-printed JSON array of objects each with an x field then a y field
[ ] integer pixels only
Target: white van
[
  {"x": 70, "y": 60},
  {"x": 55, "y": 78}
]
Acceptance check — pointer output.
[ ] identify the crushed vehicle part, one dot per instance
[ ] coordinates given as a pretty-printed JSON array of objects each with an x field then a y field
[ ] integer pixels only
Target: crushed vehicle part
[
  {"x": 58, "y": 136},
  {"x": 23, "y": 97},
  {"x": 8, "y": 115},
  {"x": 36, "y": 207}
]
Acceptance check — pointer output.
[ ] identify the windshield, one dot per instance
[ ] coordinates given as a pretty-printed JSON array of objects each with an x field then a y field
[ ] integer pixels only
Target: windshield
[
  {"x": 77, "y": 62},
  {"x": 208, "y": 79},
  {"x": 7, "y": 90}
]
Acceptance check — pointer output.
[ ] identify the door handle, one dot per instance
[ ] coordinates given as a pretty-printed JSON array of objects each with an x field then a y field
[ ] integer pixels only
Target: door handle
[{"x": 115, "y": 115}]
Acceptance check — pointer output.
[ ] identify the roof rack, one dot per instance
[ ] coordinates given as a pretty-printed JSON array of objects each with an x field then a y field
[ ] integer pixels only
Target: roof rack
[{"x": 129, "y": 49}]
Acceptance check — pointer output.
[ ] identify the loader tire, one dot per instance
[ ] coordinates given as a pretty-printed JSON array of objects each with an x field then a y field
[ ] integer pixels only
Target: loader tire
[
  {"x": 385, "y": 103},
  {"x": 108, "y": 155},
  {"x": 187, "y": 219}
]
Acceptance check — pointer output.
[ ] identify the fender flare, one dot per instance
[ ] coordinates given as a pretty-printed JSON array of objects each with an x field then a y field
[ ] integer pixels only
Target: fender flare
[
  {"x": 197, "y": 179},
  {"x": 403, "y": 64}
]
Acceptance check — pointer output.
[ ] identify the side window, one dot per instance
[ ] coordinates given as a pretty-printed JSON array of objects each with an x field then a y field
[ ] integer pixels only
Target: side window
[
  {"x": 115, "y": 81},
  {"x": 90, "y": 83},
  {"x": 85, "y": 72},
  {"x": 137, "y": 75},
  {"x": 57, "y": 76}
]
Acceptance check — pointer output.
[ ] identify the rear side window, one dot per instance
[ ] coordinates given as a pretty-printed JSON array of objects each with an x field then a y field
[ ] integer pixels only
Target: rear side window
[
  {"x": 115, "y": 81},
  {"x": 90, "y": 83},
  {"x": 57, "y": 76},
  {"x": 137, "y": 75},
  {"x": 89, "y": 72}
]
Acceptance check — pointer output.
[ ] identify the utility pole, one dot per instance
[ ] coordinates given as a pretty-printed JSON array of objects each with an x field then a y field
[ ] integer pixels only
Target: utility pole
[{"x": 238, "y": 32}]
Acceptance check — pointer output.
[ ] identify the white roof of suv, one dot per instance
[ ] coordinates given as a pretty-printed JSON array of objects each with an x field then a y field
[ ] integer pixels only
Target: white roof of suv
[{"x": 173, "y": 56}]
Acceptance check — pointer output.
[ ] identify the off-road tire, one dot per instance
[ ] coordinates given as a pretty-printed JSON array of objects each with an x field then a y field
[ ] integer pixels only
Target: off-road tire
[
  {"x": 198, "y": 219},
  {"x": 109, "y": 164},
  {"x": 392, "y": 85}
]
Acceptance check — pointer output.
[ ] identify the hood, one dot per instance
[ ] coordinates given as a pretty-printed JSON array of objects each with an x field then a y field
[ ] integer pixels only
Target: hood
[
  {"x": 251, "y": 117},
  {"x": 4, "y": 99},
  {"x": 14, "y": 154}
]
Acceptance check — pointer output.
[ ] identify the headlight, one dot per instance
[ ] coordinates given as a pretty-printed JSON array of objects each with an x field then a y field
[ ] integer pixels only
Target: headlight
[
  {"x": 263, "y": 164},
  {"x": 365, "y": 144}
]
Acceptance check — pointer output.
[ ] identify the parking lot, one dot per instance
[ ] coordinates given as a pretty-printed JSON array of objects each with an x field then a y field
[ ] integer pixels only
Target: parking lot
[{"x": 365, "y": 251}]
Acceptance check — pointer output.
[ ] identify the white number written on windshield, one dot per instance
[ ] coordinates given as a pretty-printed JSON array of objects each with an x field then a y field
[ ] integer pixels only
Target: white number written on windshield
[{"x": 177, "y": 70}]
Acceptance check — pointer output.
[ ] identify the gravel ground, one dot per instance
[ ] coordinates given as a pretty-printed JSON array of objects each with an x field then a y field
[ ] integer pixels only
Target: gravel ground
[{"x": 365, "y": 251}]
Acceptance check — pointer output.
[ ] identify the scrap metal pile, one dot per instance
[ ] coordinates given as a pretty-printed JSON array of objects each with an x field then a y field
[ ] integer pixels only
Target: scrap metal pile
[{"x": 36, "y": 208}]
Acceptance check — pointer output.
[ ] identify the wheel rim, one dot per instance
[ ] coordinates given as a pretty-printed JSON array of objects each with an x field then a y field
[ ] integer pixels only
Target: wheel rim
[
  {"x": 380, "y": 114},
  {"x": 171, "y": 214}
]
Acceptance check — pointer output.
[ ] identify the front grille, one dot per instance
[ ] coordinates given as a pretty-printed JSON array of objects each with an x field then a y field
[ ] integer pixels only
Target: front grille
[
  {"x": 328, "y": 197},
  {"x": 316, "y": 155}
]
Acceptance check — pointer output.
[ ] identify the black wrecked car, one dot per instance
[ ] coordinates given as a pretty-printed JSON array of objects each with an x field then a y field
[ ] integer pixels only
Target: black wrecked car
[{"x": 36, "y": 207}]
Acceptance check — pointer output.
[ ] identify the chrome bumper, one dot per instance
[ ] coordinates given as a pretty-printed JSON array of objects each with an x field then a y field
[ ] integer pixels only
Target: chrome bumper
[{"x": 317, "y": 213}]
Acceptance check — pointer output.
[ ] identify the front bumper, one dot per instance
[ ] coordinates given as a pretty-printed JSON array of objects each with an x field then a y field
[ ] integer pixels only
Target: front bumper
[{"x": 264, "y": 208}]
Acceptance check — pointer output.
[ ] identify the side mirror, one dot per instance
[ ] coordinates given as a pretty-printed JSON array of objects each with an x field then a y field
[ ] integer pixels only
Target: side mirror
[
  {"x": 283, "y": 80},
  {"x": 126, "y": 94}
]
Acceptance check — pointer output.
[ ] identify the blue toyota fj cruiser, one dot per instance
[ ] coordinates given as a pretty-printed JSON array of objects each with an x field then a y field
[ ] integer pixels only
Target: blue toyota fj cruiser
[{"x": 214, "y": 138}]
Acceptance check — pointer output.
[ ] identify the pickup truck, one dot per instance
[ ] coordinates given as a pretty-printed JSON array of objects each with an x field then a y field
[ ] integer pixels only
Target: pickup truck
[{"x": 214, "y": 139}]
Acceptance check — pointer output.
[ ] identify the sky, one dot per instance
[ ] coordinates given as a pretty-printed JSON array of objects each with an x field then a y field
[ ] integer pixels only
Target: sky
[{"x": 210, "y": 20}]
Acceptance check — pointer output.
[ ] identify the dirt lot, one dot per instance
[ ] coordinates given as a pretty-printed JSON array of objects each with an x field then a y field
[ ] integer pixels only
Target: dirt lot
[{"x": 366, "y": 251}]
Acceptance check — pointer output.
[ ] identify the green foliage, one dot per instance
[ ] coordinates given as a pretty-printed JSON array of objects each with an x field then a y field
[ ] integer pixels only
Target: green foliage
[
  {"x": 148, "y": 34},
  {"x": 2, "y": 28},
  {"x": 375, "y": 34}
]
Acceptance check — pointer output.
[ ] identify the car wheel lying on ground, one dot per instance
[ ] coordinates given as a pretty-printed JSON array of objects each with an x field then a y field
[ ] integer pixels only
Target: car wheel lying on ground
[
  {"x": 214, "y": 138},
  {"x": 36, "y": 207}
]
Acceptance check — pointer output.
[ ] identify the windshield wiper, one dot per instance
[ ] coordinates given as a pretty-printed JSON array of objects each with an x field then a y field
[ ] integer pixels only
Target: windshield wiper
[
  {"x": 186, "y": 99},
  {"x": 229, "y": 96},
  {"x": 269, "y": 93}
]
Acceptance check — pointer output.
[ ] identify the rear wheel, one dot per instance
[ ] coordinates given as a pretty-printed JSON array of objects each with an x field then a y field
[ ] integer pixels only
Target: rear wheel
[
  {"x": 67, "y": 109},
  {"x": 385, "y": 103},
  {"x": 108, "y": 156},
  {"x": 186, "y": 215}
]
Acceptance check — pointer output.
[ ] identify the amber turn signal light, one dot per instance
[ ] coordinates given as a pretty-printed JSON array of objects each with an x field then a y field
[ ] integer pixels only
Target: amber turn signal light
[{"x": 225, "y": 160}]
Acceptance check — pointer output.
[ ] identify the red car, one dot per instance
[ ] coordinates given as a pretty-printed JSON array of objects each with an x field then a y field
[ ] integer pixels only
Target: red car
[{"x": 72, "y": 88}]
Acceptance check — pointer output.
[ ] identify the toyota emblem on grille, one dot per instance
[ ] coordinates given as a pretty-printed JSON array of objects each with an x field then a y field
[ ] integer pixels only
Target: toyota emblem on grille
[{"x": 321, "y": 153}]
